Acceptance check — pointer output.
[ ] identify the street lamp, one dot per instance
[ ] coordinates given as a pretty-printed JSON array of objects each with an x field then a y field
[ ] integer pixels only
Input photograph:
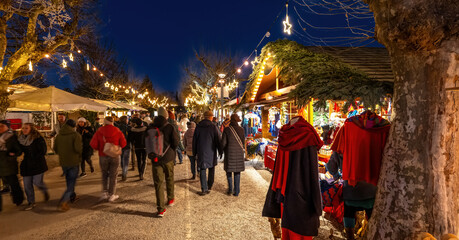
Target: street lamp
[{"x": 222, "y": 82}]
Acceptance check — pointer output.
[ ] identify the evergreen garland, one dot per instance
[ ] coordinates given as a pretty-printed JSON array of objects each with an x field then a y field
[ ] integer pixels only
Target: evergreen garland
[{"x": 319, "y": 76}]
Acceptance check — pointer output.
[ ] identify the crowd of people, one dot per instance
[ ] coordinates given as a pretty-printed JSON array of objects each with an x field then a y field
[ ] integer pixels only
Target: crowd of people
[{"x": 163, "y": 140}]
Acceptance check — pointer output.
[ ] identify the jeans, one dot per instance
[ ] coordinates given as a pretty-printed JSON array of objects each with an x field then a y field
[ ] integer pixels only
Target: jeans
[
  {"x": 36, "y": 180},
  {"x": 83, "y": 164},
  {"x": 206, "y": 184},
  {"x": 132, "y": 157},
  {"x": 109, "y": 167},
  {"x": 141, "y": 156},
  {"x": 161, "y": 172},
  {"x": 71, "y": 175},
  {"x": 16, "y": 190},
  {"x": 193, "y": 165},
  {"x": 180, "y": 156},
  {"x": 237, "y": 182},
  {"x": 125, "y": 156}
]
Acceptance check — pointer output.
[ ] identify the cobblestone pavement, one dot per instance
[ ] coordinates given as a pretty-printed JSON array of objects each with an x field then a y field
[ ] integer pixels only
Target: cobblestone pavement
[{"x": 214, "y": 216}]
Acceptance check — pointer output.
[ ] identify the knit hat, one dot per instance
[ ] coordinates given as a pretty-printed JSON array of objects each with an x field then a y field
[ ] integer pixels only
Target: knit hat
[
  {"x": 71, "y": 123},
  {"x": 108, "y": 120},
  {"x": 6, "y": 122},
  {"x": 81, "y": 119},
  {"x": 163, "y": 112},
  {"x": 235, "y": 117},
  {"x": 208, "y": 114}
]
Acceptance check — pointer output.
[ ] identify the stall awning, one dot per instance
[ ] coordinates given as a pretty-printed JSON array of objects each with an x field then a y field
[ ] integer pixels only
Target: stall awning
[{"x": 52, "y": 99}]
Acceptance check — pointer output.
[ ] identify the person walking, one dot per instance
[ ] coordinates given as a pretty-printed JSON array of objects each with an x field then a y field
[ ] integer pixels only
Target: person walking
[
  {"x": 233, "y": 146},
  {"x": 57, "y": 127},
  {"x": 188, "y": 144},
  {"x": 108, "y": 134},
  {"x": 162, "y": 166},
  {"x": 180, "y": 148},
  {"x": 137, "y": 139},
  {"x": 9, "y": 151},
  {"x": 69, "y": 146},
  {"x": 206, "y": 145},
  {"x": 86, "y": 131},
  {"x": 33, "y": 166},
  {"x": 126, "y": 151}
]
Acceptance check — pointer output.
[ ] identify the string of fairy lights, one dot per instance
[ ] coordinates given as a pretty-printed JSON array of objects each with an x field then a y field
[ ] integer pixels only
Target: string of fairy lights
[{"x": 127, "y": 89}]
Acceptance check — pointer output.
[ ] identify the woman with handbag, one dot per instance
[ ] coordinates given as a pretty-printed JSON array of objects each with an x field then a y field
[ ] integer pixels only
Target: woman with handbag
[
  {"x": 233, "y": 146},
  {"x": 109, "y": 141}
]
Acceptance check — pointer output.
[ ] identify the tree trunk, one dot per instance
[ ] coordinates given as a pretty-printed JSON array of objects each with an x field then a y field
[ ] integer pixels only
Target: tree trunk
[
  {"x": 417, "y": 188},
  {"x": 4, "y": 101}
]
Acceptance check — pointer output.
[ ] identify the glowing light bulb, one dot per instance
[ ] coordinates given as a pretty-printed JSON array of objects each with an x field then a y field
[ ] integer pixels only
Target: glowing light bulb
[
  {"x": 30, "y": 66},
  {"x": 239, "y": 70},
  {"x": 101, "y": 74},
  {"x": 87, "y": 66},
  {"x": 79, "y": 51},
  {"x": 71, "y": 57},
  {"x": 246, "y": 63},
  {"x": 46, "y": 55},
  {"x": 94, "y": 69}
]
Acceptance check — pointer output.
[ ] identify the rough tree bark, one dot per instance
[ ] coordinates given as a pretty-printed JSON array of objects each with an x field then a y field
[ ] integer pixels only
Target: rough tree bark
[{"x": 417, "y": 187}]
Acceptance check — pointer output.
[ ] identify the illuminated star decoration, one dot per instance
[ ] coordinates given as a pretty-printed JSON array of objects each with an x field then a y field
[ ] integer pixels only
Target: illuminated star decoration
[
  {"x": 64, "y": 63},
  {"x": 287, "y": 26}
]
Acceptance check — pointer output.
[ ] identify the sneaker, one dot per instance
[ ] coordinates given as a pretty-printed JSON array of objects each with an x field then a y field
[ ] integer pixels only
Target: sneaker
[
  {"x": 161, "y": 214},
  {"x": 29, "y": 207},
  {"x": 104, "y": 197},
  {"x": 82, "y": 175},
  {"x": 113, "y": 198},
  {"x": 171, "y": 203}
]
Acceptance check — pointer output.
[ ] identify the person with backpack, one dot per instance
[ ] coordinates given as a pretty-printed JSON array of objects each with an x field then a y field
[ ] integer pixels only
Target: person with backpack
[
  {"x": 126, "y": 151},
  {"x": 9, "y": 151},
  {"x": 109, "y": 141},
  {"x": 137, "y": 139},
  {"x": 206, "y": 146},
  {"x": 69, "y": 146},
  {"x": 33, "y": 166},
  {"x": 188, "y": 144},
  {"x": 161, "y": 143},
  {"x": 86, "y": 131},
  {"x": 233, "y": 146}
]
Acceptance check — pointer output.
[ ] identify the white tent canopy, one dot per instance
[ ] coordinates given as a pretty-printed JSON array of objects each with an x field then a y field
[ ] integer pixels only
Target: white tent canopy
[{"x": 52, "y": 99}]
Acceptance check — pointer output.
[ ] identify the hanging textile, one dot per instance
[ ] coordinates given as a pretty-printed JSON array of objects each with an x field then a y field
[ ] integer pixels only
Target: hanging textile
[
  {"x": 361, "y": 141},
  {"x": 294, "y": 193}
]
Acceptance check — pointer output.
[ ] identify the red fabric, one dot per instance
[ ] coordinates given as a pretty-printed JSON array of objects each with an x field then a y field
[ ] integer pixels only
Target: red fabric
[
  {"x": 112, "y": 135},
  {"x": 362, "y": 151}
]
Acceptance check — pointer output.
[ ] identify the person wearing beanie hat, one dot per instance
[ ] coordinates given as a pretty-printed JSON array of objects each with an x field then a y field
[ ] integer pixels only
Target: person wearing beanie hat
[
  {"x": 206, "y": 146},
  {"x": 108, "y": 164},
  {"x": 163, "y": 112},
  {"x": 9, "y": 151},
  {"x": 86, "y": 132},
  {"x": 69, "y": 146}
]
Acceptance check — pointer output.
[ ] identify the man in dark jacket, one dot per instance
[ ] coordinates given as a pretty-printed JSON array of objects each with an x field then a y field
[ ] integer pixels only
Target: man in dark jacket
[
  {"x": 86, "y": 132},
  {"x": 69, "y": 147},
  {"x": 137, "y": 139},
  {"x": 163, "y": 167},
  {"x": 233, "y": 142},
  {"x": 9, "y": 151},
  {"x": 126, "y": 152},
  {"x": 206, "y": 143}
]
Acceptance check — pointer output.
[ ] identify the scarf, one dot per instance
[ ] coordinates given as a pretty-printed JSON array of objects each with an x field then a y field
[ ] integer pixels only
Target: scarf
[
  {"x": 3, "y": 138},
  {"x": 25, "y": 140}
]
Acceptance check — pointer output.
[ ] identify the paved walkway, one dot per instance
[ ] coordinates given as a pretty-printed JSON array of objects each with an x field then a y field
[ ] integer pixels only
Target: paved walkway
[{"x": 214, "y": 216}]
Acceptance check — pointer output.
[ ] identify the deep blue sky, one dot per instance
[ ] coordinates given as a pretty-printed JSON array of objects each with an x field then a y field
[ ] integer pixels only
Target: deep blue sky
[{"x": 158, "y": 37}]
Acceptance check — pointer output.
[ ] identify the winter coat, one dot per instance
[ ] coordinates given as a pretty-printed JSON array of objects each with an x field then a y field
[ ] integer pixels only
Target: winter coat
[
  {"x": 361, "y": 191},
  {"x": 9, "y": 164},
  {"x": 137, "y": 137},
  {"x": 125, "y": 129},
  {"x": 206, "y": 143},
  {"x": 87, "y": 136},
  {"x": 34, "y": 161},
  {"x": 174, "y": 124},
  {"x": 171, "y": 138},
  {"x": 69, "y": 146},
  {"x": 234, "y": 153},
  {"x": 188, "y": 139},
  {"x": 112, "y": 135}
]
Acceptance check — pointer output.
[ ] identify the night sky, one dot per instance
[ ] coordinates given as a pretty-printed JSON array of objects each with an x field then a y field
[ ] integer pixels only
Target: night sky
[{"x": 158, "y": 37}]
